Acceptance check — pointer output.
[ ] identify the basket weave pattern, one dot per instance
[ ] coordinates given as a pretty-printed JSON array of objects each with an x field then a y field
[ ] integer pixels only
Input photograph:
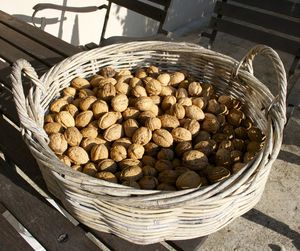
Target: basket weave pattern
[{"x": 143, "y": 216}]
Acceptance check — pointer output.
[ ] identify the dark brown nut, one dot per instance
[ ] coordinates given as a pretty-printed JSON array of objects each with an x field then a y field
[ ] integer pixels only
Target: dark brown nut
[
  {"x": 148, "y": 182},
  {"x": 107, "y": 92},
  {"x": 58, "y": 143},
  {"x": 169, "y": 121},
  {"x": 107, "y": 72},
  {"x": 229, "y": 130},
  {"x": 108, "y": 119},
  {"x": 84, "y": 93},
  {"x": 167, "y": 102},
  {"x": 255, "y": 134},
  {"x": 49, "y": 118},
  {"x": 139, "y": 91},
  {"x": 248, "y": 156},
  {"x": 165, "y": 187},
  {"x": 237, "y": 167},
  {"x": 176, "y": 163},
  {"x": 144, "y": 116},
  {"x": 184, "y": 84},
  {"x": 195, "y": 159},
  {"x": 130, "y": 126},
  {"x": 164, "y": 79},
  {"x": 183, "y": 147},
  {"x": 246, "y": 123},
  {"x": 153, "y": 87},
  {"x": 131, "y": 173},
  {"x": 118, "y": 153},
  {"x": 176, "y": 78},
  {"x": 78, "y": 155},
  {"x": 131, "y": 113},
  {"x": 149, "y": 171},
  {"x": 168, "y": 177},
  {"x": 99, "y": 108},
  {"x": 65, "y": 159},
  {"x": 235, "y": 117},
  {"x": 148, "y": 160},
  {"x": 113, "y": 132},
  {"x": 89, "y": 132},
  {"x": 195, "y": 89},
  {"x": 142, "y": 136},
  {"x": 217, "y": 174},
  {"x": 204, "y": 146},
  {"x": 131, "y": 183},
  {"x": 178, "y": 111},
  {"x": 53, "y": 127},
  {"x": 83, "y": 118},
  {"x": 213, "y": 106},
  {"x": 254, "y": 146},
  {"x": 136, "y": 151},
  {"x": 162, "y": 138},
  {"x": 99, "y": 152},
  {"x": 192, "y": 125},
  {"x": 90, "y": 169},
  {"x": 165, "y": 153},
  {"x": 144, "y": 103},
  {"x": 107, "y": 165},
  {"x": 163, "y": 164},
  {"x": 185, "y": 101},
  {"x": 188, "y": 180},
  {"x": 223, "y": 110},
  {"x": 69, "y": 91},
  {"x": 223, "y": 157},
  {"x": 135, "y": 82},
  {"x": 226, "y": 144},
  {"x": 80, "y": 83},
  {"x": 199, "y": 101},
  {"x": 153, "y": 123},
  {"x": 77, "y": 168},
  {"x": 167, "y": 91},
  {"x": 240, "y": 133},
  {"x": 238, "y": 144},
  {"x": 236, "y": 156},
  {"x": 107, "y": 176},
  {"x": 194, "y": 112},
  {"x": 65, "y": 119},
  {"x": 86, "y": 103},
  {"x": 151, "y": 149},
  {"x": 226, "y": 100},
  {"x": 129, "y": 162},
  {"x": 181, "y": 93},
  {"x": 181, "y": 134},
  {"x": 202, "y": 135},
  {"x": 119, "y": 103},
  {"x": 207, "y": 90},
  {"x": 73, "y": 136},
  {"x": 181, "y": 170},
  {"x": 210, "y": 123},
  {"x": 219, "y": 137}
]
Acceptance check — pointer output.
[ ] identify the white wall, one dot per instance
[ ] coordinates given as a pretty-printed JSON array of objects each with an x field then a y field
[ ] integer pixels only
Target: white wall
[{"x": 82, "y": 28}]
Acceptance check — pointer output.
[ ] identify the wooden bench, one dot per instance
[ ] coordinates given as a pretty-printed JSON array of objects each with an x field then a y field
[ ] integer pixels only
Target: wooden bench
[{"x": 20, "y": 178}]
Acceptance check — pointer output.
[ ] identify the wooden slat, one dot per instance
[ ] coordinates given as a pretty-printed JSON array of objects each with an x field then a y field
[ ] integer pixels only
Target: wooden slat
[
  {"x": 143, "y": 8},
  {"x": 255, "y": 35},
  {"x": 262, "y": 19},
  {"x": 26, "y": 44},
  {"x": 284, "y": 7},
  {"x": 43, "y": 38},
  {"x": 44, "y": 222},
  {"x": 192, "y": 244},
  {"x": 10, "y": 239}
]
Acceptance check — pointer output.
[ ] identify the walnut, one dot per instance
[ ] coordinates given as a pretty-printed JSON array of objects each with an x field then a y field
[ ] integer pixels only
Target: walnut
[
  {"x": 131, "y": 183},
  {"x": 126, "y": 142},
  {"x": 119, "y": 103},
  {"x": 148, "y": 182},
  {"x": 192, "y": 126},
  {"x": 72, "y": 109},
  {"x": 69, "y": 91},
  {"x": 148, "y": 160},
  {"x": 131, "y": 173},
  {"x": 107, "y": 176},
  {"x": 217, "y": 174},
  {"x": 169, "y": 121},
  {"x": 167, "y": 102},
  {"x": 49, "y": 118},
  {"x": 163, "y": 164},
  {"x": 153, "y": 87},
  {"x": 80, "y": 83},
  {"x": 140, "y": 73},
  {"x": 118, "y": 153},
  {"x": 139, "y": 91},
  {"x": 187, "y": 180},
  {"x": 162, "y": 138},
  {"x": 176, "y": 78},
  {"x": 194, "y": 112},
  {"x": 165, "y": 187},
  {"x": 131, "y": 113},
  {"x": 149, "y": 171},
  {"x": 167, "y": 91},
  {"x": 165, "y": 153},
  {"x": 178, "y": 111},
  {"x": 78, "y": 155},
  {"x": 168, "y": 177},
  {"x": 89, "y": 132},
  {"x": 255, "y": 134},
  {"x": 164, "y": 79},
  {"x": 99, "y": 152},
  {"x": 65, "y": 159},
  {"x": 136, "y": 151},
  {"x": 113, "y": 132},
  {"x": 195, "y": 159},
  {"x": 200, "y": 102},
  {"x": 107, "y": 92},
  {"x": 65, "y": 119},
  {"x": 86, "y": 103},
  {"x": 73, "y": 136},
  {"x": 84, "y": 93},
  {"x": 83, "y": 119},
  {"x": 144, "y": 103},
  {"x": 53, "y": 127},
  {"x": 181, "y": 93},
  {"x": 129, "y": 162},
  {"x": 204, "y": 146},
  {"x": 194, "y": 89},
  {"x": 185, "y": 101},
  {"x": 254, "y": 146},
  {"x": 107, "y": 165},
  {"x": 122, "y": 88},
  {"x": 183, "y": 147},
  {"x": 237, "y": 167},
  {"x": 130, "y": 126},
  {"x": 151, "y": 148},
  {"x": 181, "y": 134},
  {"x": 213, "y": 106},
  {"x": 226, "y": 144},
  {"x": 235, "y": 117},
  {"x": 223, "y": 157},
  {"x": 90, "y": 169},
  {"x": 107, "y": 72},
  {"x": 142, "y": 136},
  {"x": 135, "y": 82},
  {"x": 99, "y": 108},
  {"x": 210, "y": 123},
  {"x": 108, "y": 119},
  {"x": 153, "y": 123}
]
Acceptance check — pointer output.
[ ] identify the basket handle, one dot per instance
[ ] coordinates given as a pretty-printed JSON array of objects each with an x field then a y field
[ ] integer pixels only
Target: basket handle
[
  {"x": 247, "y": 60},
  {"x": 29, "y": 109}
]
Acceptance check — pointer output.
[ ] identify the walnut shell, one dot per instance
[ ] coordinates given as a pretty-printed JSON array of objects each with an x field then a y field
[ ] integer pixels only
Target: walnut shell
[
  {"x": 87, "y": 103},
  {"x": 99, "y": 108},
  {"x": 58, "y": 143},
  {"x": 145, "y": 115},
  {"x": 118, "y": 153},
  {"x": 53, "y": 127},
  {"x": 131, "y": 183},
  {"x": 168, "y": 102},
  {"x": 223, "y": 157},
  {"x": 89, "y": 132},
  {"x": 149, "y": 171},
  {"x": 185, "y": 101},
  {"x": 237, "y": 167},
  {"x": 80, "y": 83},
  {"x": 183, "y": 147},
  {"x": 90, "y": 169},
  {"x": 148, "y": 182},
  {"x": 164, "y": 79},
  {"x": 107, "y": 72},
  {"x": 122, "y": 88},
  {"x": 148, "y": 160},
  {"x": 199, "y": 101},
  {"x": 165, "y": 187},
  {"x": 213, "y": 106},
  {"x": 194, "y": 112},
  {"x": 107, "y": 165},
  {"x": 153, "y": 87},
  {"x": 236, "y": 156},
  {"x": 217, "y": 174},
  {"x": 151, "y": 149},
  {"x": 162, "y": 138},
  {"x": 153, "y": 123},
  {"x": 135, "y": 82},
  {"x": 138, "y": 91},
  {"x": 235, "y": 117},
  {"x": 78, "y": 155},
  {"x": 84, "y": 93},
  {"x": 192, "y": 125},
  {"x": 167, "y": 91},
  {"x": 73, "y": 136},
  {"x": 131, "y": 173},
  {"x": 204, "y": 146},
  {"x": 165, "y": 153},
  {"x": 108, "y": 119},
  {"x": 181, "y": 93},
  {"x": 126, "y": 142},
  {"x": 144, "y": 103},
  {"x": 202, "y": 135},
  {"x": 99, "y": 152},
  {"x": 105, "y": 81},
  {"x": 210, "y": 123},
  {"x": 88, "y": 143},
  {"x": 176, "y": 78},
  {"x": 69, "y": 91},
  {"x": 254, "y": 146},
  {"x": 107, "y": 176},
  {"x": 65, "y": 159},
  {"x": 142, "y": 136},
  {"x": 136, "y": 151},
  {"x": 130, "y": 126},
  {"x": 129, "y": 162},
  {"x": 181, "y": 134},
  {"x": 83, "y": 118},
  {"x": 72, "y": 109},
  {"x": 194, "y": 89},
  {"x": 187, "y": 180},
  {"x": 178, "y": 111},
  {"x": 113, "y": 132},
  {"x": 255, "y": 134},
  {"x": 195, "y": 159},
  {"x": 65, "y": 119},
  {"x": 226, "y": 144},
  {"x": 163, "y": 164},
  {"x": 169, "y": 121},
  {"x": 119, "y": 103},
  {"x": 107, "y": 92},
  {"x": 130, "y": 113},
  {"x": 49, "y": 118},
  {"x": 168, "y": 177}
]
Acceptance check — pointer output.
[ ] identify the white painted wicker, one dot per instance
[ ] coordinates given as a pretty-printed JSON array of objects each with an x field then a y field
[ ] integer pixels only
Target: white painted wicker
[{"x": 143, "y": 216}]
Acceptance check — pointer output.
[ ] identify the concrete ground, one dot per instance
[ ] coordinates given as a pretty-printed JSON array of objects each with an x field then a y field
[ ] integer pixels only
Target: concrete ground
[{"x": 274, "y": 223}]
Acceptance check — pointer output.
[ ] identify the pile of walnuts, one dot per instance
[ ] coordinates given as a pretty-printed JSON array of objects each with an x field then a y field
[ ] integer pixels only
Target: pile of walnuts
[{"x": 150, "y": 129}]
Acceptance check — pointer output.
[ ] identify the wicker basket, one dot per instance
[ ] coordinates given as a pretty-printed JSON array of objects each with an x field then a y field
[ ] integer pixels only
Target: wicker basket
[{"x": 143, "y": 216}]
